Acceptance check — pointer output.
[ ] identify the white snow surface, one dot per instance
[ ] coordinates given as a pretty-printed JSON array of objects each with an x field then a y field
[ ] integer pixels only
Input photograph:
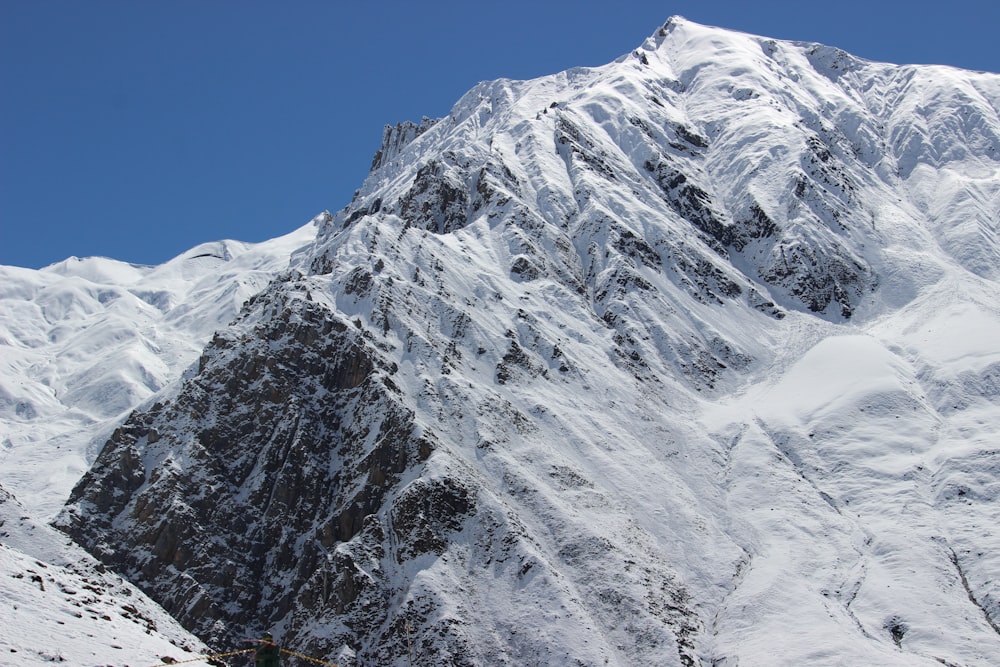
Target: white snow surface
[
  {"x": 833, "y": 501},
  {"x": 831, "y": 498}
]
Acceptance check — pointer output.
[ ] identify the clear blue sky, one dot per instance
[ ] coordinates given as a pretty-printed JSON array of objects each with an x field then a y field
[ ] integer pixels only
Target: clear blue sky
[{"x": 137, "y": 129}]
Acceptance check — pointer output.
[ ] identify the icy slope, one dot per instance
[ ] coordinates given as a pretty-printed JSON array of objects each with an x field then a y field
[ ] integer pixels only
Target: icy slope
[
  {"x": 84, "y": 341},
  {"x": 689, "y": 359}
]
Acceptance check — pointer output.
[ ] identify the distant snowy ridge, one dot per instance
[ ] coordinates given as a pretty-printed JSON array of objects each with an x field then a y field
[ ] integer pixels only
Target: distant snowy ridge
[{"x": 690, "y": 359}]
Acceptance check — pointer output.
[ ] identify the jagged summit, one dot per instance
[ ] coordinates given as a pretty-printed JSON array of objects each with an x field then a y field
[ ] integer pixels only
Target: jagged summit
[{"x": 687, "y": 359}]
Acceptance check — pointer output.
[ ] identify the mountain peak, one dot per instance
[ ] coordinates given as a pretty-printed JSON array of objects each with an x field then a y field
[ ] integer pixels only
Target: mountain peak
[{"x": 672, "y": 22}]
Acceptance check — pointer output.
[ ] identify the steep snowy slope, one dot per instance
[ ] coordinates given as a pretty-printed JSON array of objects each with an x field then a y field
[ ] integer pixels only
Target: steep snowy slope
[
  {"x": 62, "y": 606},
  {"x": 690, "y": 359},
  {"x": 86, "y": 340}
]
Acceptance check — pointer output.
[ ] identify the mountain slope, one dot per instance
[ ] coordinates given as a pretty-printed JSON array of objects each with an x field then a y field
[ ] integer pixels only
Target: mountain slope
[{"x": 689, "y": 359}]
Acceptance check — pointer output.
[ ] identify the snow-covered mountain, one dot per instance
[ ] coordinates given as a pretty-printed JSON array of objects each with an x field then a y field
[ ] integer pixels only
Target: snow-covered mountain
[{"x": 690, "y": 359}]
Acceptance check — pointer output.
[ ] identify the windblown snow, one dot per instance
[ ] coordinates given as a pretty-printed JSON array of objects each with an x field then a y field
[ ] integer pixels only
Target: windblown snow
[{"x": 690, "y": 359}]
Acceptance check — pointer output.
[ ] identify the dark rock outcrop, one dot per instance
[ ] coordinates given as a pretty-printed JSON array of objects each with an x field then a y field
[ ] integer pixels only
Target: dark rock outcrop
[{"x": 225, "y": 500}]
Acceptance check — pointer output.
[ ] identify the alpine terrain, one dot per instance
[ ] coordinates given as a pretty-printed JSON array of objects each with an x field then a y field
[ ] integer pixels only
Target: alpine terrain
[{"x": 690, "y": 359}]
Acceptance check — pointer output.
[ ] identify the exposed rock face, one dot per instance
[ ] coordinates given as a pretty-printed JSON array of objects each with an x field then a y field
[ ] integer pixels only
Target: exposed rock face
[
  {"x": 508, "y": 414},
  {"x": 438, "y": 200},
  {"x": 280, "y": 445},
  {"x": 395, "y": 138}
]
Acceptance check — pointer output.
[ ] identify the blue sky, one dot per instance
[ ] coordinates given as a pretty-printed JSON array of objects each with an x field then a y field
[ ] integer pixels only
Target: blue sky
[{"x": 138, "y": 129}]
